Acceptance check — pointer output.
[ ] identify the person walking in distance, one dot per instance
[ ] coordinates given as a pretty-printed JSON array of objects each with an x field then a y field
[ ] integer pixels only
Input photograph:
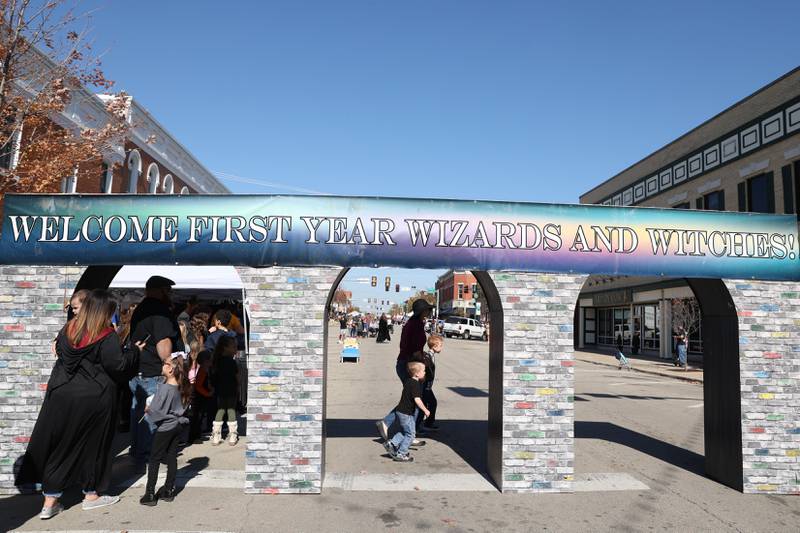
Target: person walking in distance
[
  {"x": 166, "y": 412},
  {"x": 152, "y": 323},
  {"x": 682, "y": 341}
]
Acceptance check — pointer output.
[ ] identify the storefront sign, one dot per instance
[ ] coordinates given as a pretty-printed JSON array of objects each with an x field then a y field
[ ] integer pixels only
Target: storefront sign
[
  {"x": 609, "y": 298},
  {"x": 263, "y": 231}
]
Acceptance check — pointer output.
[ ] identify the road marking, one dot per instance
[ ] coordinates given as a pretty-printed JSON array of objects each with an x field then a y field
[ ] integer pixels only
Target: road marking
[
  {"x": 695, "y": 406},
  {"x": 465, "y": 482},
  {"x": 209, "y": 478},
  {"x": 607, "y": 482}
]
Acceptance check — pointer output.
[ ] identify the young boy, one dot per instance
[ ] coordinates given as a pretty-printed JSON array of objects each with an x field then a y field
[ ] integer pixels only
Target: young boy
[
  {"x": 435, "y": 344},
  {"x": 410, "y": 401}
]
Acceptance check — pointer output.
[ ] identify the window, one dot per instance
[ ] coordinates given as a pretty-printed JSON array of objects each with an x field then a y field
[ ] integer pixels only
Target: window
[
  {"x": 797, "y": 189},
  {"x": 589, "y": 325},
  {"x": 460, "y": 291},
  {"x": 684, "y": 205},
  {"x": 135, "y": 170},
  {"x": 760, "y": 194},
  {"x": 714, "y": 201},
  {"x": 106, "y": 178}
]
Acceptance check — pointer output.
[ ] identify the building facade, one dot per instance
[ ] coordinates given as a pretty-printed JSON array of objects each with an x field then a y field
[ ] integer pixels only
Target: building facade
[
  {"x": 457, "y": 294},
  {"x": 746, "y": 158}
]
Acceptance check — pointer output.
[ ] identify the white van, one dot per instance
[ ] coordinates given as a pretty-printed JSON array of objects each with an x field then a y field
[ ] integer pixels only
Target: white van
[{"x": 467, "y": 328}]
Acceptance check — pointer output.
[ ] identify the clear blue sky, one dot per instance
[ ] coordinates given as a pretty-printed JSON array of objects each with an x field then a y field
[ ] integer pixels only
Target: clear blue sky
[{"x": 534, "y": 101}]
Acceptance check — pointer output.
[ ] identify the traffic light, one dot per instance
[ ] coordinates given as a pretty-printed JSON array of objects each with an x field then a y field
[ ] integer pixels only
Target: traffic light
[
  {"x": 396, "y": 287},
  {"x": 374, "y": 281},
  {"x": 388, "y": 283}
]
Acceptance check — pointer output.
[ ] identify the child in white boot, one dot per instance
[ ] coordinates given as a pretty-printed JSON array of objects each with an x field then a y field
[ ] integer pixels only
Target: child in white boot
[{"x": 226, "y": 387}]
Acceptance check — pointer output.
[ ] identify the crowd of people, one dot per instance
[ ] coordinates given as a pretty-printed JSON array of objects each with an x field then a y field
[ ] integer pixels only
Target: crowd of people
[
  {"x": 355, "y": 326},
  {"x": 172, "y": 379}
]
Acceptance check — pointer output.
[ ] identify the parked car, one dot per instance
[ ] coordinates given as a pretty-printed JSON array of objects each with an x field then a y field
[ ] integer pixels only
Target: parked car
[{"x": 467, "y": 328}]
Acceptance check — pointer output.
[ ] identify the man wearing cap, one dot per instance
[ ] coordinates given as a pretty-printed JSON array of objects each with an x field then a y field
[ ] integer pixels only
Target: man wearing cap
[{"x": 153, "y": 324}]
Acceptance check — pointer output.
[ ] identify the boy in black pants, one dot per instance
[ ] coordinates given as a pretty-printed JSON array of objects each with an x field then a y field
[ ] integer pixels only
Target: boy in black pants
[{"x": 435, "y": 345}]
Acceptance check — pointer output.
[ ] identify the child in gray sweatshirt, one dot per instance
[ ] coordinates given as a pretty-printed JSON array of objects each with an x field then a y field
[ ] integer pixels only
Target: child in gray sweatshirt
[{"x": 166, "y": 412}]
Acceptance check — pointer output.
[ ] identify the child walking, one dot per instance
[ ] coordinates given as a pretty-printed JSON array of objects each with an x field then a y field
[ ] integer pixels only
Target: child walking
[
  {"x": 226, "y": 387},
  {"x": 406, "y": 410},
  {"x": 166, "y": 413},
  {"x": 435, "y": 345}
]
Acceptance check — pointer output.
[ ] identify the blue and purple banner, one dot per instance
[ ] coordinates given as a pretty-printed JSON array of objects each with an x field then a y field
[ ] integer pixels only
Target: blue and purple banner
[{"x": 264, "y": 231}]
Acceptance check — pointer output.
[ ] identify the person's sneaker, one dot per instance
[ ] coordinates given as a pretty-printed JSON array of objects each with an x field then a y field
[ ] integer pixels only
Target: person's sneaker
[
  {"x": 403, "y": 458},
  {"x": 148, "y": 499},
  {"x": 49, "y": 512},
  {"x": 417, "y": 442},
  {"x": 382, "y": 429},
  {"x": 102, "y": 501},
  {"x": 389, "y": 447},
  {"x": 166, "y": 494}
]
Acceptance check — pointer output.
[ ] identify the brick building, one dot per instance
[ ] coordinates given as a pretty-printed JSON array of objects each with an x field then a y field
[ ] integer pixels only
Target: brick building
[
  {"x": 148, "y": 161},
  {"x": 456, "y": 291}
]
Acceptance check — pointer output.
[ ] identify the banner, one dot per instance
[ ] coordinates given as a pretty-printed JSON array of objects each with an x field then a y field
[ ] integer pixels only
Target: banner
[{"x": 262, "y": 231}]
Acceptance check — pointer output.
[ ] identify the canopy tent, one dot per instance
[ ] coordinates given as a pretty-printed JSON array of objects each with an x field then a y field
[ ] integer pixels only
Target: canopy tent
[{"x": 185, "y": 277}]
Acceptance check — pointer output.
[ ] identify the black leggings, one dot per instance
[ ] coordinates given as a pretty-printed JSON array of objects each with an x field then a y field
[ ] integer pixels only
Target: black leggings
[{"x": 165, "y": 449}]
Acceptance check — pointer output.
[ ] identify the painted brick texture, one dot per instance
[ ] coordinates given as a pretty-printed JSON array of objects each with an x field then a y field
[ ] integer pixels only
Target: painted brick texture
[
  {"x": 32, "y": 303},
  {"x": 769, "y": 359},
  {"x": 286, "y": 372},
  {"x": 538, "y": 380}
]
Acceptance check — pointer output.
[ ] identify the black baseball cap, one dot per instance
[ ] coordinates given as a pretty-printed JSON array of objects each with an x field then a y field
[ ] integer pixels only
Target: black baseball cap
[
  {"x": 158, "y": 282},
  {"x": 420, "y": 305}
]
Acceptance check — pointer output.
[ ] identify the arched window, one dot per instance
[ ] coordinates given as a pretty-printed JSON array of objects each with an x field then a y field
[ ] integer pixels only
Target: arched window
[
  {"x": 184, "y": 190},
  {"x": 153, "y": 178},
  {"x": 134, "y": 170},
  {"x": 169, "y": 185},
  {"x": 108, "y": 177}
]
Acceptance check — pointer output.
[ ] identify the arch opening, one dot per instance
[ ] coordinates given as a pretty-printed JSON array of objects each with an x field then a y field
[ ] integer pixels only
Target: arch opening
[
  {"x": 470, "y": 442},
  {"x": 642, "y": 316}
]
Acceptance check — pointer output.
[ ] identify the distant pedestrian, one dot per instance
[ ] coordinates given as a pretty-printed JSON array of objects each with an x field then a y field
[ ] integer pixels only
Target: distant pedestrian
[
  {"x": 166, "y": 412},
  {"x": 406, "y": 411},
  {"x": 72, "y": 438},
  {"x": 342, "y": 328},
  {"x": 383, "y": 330},
  {"x": 225, "y": 377},
  {"x": 682, "y": 340}
]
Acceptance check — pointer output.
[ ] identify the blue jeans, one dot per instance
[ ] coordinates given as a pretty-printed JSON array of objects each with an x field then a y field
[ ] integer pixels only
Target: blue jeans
[
  {"x": 141, "y": 432},
  {"x": 682, "y": 354},
  {"x": 403, "y": 438}
]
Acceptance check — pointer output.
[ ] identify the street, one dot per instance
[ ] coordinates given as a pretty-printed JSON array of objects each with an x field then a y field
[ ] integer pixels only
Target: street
[{"x": 638, "y": 466}]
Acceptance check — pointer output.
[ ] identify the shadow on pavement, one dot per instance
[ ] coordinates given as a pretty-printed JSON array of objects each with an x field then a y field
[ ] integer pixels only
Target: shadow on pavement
[
  {"x": 669, "y": 453},
  {"x": 470, "y": 392},
  {"x": 465, "y": 437}
]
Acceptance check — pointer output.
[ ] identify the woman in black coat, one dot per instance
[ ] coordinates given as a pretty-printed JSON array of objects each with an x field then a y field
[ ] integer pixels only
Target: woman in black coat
[
  {"x": 72, "y": 438},
  {"x": 383, "y": 330}
]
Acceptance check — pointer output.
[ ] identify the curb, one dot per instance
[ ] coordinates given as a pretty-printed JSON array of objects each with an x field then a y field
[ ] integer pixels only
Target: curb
[{"x": 644, "y": 371}]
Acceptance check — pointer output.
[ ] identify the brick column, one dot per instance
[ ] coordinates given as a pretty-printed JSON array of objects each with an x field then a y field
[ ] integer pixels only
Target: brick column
[
  {"x": 31, "y": 314},
  {"x": 285, "y": 388},
  {"x": 538, "y": 380},
  {"x": 769, "y": 359}
]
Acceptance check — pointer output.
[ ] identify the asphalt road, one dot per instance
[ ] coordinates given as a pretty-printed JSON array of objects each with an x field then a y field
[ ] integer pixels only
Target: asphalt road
[{"x": 641, "y": 428}]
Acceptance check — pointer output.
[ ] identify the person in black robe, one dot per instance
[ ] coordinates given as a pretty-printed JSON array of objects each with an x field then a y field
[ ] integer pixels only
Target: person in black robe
[
  {"x": 71, "y": 441},
  {"x": 383, "y": 330}
]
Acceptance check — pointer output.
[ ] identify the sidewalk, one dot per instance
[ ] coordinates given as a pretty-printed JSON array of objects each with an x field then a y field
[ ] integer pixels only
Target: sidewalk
[{"x": 644, "y": 364}]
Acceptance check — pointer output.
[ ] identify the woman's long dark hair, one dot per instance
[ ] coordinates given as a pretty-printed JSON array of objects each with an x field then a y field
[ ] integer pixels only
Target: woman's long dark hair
[
  {"x": 96, "y": 311},
  {"x": 179, "y": 371}
]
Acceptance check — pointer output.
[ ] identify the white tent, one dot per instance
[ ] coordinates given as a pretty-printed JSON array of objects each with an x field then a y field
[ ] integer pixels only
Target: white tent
[{"x": 185, "y": 277}]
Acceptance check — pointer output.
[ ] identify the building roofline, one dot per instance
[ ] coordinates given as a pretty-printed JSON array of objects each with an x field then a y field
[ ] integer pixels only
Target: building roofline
[{"x": 708, "y": 121}]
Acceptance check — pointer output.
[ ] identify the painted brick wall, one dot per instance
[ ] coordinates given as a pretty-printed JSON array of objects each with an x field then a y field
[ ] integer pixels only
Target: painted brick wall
[
  {"x": 769, "y": 358},
  {"x": 286, "y": 365},
  {"x": 31, "y": 314},
  {"x": 538, "y": 380}
]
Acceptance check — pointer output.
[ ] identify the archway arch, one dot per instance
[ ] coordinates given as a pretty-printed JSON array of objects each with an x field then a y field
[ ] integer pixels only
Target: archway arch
[
  {"x": 631, "y": 298},
  {"x": 494, "y": 436},
  {"x": 153, "y": 178}
]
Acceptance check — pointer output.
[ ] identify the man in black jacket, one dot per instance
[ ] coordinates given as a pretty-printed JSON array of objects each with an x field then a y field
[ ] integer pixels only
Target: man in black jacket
[{"x": 153, "y": 324}]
